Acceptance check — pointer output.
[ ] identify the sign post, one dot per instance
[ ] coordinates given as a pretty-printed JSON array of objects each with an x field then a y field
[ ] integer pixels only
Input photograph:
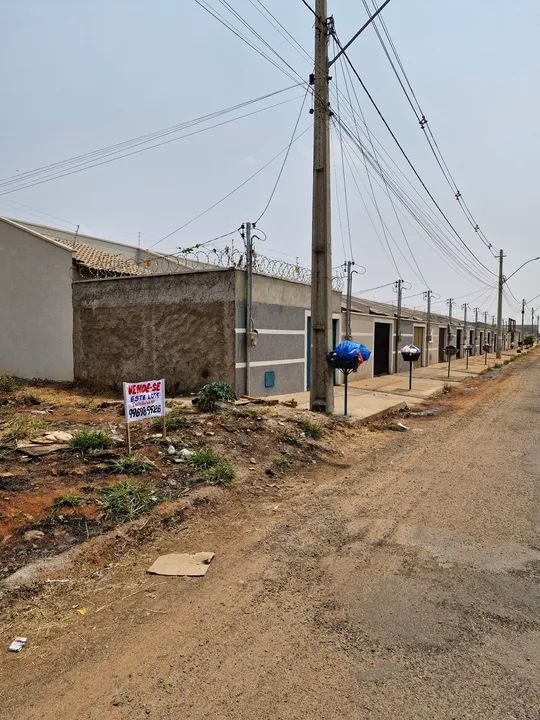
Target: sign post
[{"x": 143, "y": 401}]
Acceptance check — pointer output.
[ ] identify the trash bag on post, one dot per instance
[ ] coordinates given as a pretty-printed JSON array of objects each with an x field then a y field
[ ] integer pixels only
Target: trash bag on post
[{"x": 349, "y": 350}]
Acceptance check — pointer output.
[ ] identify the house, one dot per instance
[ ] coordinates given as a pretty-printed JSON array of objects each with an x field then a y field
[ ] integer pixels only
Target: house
[{"x": 76, "y": 307}]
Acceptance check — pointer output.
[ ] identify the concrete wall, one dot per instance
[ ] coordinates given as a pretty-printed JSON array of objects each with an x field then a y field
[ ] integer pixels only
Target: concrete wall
[
  {"x": 180, "y": 327},
  {"x": 36, "y": 321},
  {"x": 280, "y": 312}
]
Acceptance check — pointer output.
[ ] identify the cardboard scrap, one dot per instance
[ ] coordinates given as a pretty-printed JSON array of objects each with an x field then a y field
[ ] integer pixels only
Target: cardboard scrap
[
  {"x": 182, "y": 564},
  {"x": 38, "y": 450}
]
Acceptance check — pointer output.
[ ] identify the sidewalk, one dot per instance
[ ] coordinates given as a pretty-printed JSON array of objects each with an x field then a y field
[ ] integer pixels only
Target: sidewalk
[{"x": 373, "y": 397}]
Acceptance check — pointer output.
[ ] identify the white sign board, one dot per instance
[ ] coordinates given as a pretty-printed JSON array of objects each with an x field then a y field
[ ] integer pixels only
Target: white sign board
[{"x": 144, "y": 400}]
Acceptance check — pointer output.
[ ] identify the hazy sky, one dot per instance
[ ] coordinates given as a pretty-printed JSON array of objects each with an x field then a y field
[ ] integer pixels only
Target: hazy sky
[{"x": 83, "y": 74}]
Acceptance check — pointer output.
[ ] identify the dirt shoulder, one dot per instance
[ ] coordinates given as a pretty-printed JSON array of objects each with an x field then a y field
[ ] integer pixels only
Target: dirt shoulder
[{"x": 393, "y": 576}]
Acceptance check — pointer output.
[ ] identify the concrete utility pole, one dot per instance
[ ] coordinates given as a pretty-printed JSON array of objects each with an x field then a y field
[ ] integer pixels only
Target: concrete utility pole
[
  {"x": 249, "y": 303},
  {"x": 464, "y": 308},
  {"x": 475, "y": 329},
  {"x": 321, "y": 389},
  {"x": 398, "y": 286},
  {"x": 348, "y": 331},
  {"x": 485, "y": 328},
  {"x": 450, "y": 302},
  {"x": 427, "y": 296},
  {"x": 498, "y": 349},
  {"x": 522, "y": 321}
]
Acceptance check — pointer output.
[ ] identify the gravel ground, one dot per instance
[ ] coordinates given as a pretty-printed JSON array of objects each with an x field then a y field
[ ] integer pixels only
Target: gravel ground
[{"x": 403, "y": 584}]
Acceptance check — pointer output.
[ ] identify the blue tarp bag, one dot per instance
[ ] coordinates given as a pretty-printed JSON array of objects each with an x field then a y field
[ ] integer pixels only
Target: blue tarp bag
[{"x": 348, "y": 350}]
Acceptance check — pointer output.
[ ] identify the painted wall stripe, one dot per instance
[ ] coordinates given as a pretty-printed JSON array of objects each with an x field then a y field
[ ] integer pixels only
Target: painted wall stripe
[
  {"x": 262, "y": 363},
  {"x": 271, "y": 331}
]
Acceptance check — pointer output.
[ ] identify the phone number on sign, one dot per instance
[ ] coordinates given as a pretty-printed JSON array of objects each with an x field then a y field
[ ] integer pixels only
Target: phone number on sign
[{"x": 145, "y": 411}]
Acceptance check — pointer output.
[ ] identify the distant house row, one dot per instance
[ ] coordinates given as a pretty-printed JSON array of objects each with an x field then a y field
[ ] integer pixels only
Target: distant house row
[{"x": 75, "y": 307}]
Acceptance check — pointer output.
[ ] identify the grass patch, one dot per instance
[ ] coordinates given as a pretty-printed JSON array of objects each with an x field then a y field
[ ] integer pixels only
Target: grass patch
[
  {"x": 8, "y": 383},
  {"x": 312, "y": 428},
  {"x": 68, "y": 500},
  {"x": 498, "y": 365},
  {"x": 286, "y": 436},
  {"x": 132, "y": 465},
  {"x": 127, "y": 500},
  {"x": 446, "y": 389},
  {"x": 213, "y": 468},
  {"x": 283, "y": 462},
  {"x": 84, "y": 440},
  {"x": 175, "y": 420},
  {"x": 245, "y": 411},
  {"x": 22, "y": 427}
]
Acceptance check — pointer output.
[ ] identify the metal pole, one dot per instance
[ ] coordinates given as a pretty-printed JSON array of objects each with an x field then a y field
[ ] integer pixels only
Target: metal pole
[
  {"x": 475, "y": 328},
  {"x": 398, "y": 284},
  {"x": 249, "y": 304},
  {"x": 449, "y": 359},
  {"x": 485, "y": 327},
  {"x": 465, "y": 339},
  {"x": 348, "y": 331},
  {"x": 500, "y": 305},
  {"x": 322, "y": 390},
  {"x": 522, "y": 321},
  {"x": 410, "y": 375},
  {"x": 346, "y": 391},
  {"x": 427, "y": 295}
]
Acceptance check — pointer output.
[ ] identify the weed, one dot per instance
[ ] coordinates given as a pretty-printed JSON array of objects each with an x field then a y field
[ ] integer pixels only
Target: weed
[
  {"x": 213, "y": 393},
  {"x": 132, "y": 465},
  {"x": 244, "y": 411},
  {"x": 312, "y": 428},
  {"x": 22, "y": 427},
  {"x": 283, "y": 462},
  {"x": 498, "y": 365},
  {"x": 214, "y": 468},
  {"x": 90, "y": 440},
  {"x": 175, "y": 420},
  {"x": 287, "y": 437},
  {"x": 68, "y": 500},
  {"x": 127, "y": 500},
  {"x": 446, "y": 389},
  {"x": 219, "y": 474},
  {"x": 8, "y": 383}
]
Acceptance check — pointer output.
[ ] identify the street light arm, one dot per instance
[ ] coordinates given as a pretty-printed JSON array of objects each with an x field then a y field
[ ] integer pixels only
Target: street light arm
[{"x": 506, "y": 279}]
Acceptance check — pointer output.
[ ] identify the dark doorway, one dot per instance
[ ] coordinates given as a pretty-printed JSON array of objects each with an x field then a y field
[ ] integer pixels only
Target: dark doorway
[
  {"x": 442, "y": 344},
  {"x": 381, "y": 349},
  {"x": 458, "y": 342}
]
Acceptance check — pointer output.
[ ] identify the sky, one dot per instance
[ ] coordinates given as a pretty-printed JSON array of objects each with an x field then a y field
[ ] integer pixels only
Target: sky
[{"x": 84, "y": 74}]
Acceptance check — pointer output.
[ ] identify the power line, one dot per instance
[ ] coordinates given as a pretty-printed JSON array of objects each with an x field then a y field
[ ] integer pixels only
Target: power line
[
  {"x": 343, "y": 66},
  {"x": 409, "y": 162},
  {"x": 426, "y": 128},
  {"x": 285, "y": 158},
  {"x": 81, "y": 167},
  {"x": 309, "y": 7},
  {"x": 228, "y": 195},
  {"x": 140, "y": 140}
]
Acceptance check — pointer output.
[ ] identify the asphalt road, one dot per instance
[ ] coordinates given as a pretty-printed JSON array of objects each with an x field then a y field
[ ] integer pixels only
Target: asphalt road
[{"x": 402, "y": 587}]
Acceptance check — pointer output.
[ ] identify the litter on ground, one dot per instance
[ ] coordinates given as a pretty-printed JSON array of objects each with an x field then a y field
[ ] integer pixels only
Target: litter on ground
[
  {"x": 182, "y": 564},
  {"x": 18, "y": 644}
]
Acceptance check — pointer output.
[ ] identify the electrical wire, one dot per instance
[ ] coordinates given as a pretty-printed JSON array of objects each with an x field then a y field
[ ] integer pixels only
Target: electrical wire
[
  {"x": 228, "y": 195},
  {"x": 426, "y": 128},
  {"x": 409, "y": 162},
  {"x": 136, "y": 141},
  {"x": 309, "y": 7},
  {"x": 280, "y": 173},
  {"x": 418, "y": 271},
  {"x": 80, "y": 167}
]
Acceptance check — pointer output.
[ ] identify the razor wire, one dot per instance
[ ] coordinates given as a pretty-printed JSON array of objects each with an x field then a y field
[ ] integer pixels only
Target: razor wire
[{"x": 201, "y": 260}]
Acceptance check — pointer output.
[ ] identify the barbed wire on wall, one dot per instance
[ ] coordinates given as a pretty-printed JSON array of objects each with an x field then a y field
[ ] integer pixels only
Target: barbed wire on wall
[{"x": 228, "y": 257}]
